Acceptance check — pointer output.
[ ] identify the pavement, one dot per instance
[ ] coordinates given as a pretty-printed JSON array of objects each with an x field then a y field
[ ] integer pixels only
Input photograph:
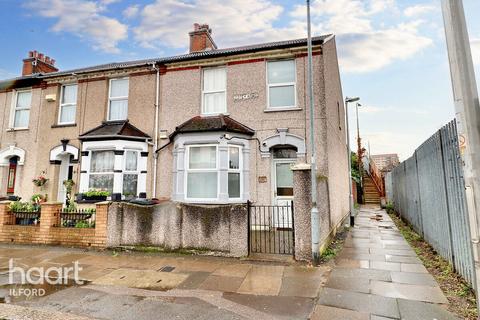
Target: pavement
[{"x": 376, "y": 276}]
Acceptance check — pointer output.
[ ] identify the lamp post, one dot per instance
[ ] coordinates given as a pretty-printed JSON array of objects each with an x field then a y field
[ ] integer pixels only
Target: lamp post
[
  {"x": 352, "y": 214},
  {"x": 359, "y": 143}
]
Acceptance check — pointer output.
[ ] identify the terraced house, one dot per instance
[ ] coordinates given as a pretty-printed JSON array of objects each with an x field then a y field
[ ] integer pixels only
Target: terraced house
[{"x": 212, "y": 126}]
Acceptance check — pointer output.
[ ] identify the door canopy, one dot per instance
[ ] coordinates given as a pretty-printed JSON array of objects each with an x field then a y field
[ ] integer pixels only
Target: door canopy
[
  {"x": 283, "y": 138},
  {"x": 63, "y": 149},
  {"x": 9, "y": 152}
]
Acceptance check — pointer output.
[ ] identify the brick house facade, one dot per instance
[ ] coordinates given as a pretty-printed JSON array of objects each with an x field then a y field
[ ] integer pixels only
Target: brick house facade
[{"x": 211, "y": 126}]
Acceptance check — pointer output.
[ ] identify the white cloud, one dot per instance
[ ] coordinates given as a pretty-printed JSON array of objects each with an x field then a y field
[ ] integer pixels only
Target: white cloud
[
  {"x": 363, "y": 46},
  {"x": 418, "y": 10},
  {"x": 234, "y": 22},
  {"x": 475, "y": 45},
  {"x": 131, "y": 12},
  {"x": 83, "y": 19}
]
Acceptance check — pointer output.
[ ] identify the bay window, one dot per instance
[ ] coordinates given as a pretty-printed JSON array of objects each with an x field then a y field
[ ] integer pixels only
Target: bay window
[
  {"x": 101, "y": 170},
  {"x": 234, "y": 172},
  {"x": 202, "y": 175},
  {"x": 130, "y": 174},
  {"x": 118, "y": 99},
  {"x": 68, "y": 104},
  {"x": 281, "y": 84},
  {"x": 22, "y": 106},
  {"x": 214, "y": 84}
]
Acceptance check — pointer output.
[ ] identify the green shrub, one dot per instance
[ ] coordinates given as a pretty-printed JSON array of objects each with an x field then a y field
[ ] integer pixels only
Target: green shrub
[
  {"x": 390, "y": 208},
  {"x": 18, "y": 206},
  {"x": 96, "y": 193}
]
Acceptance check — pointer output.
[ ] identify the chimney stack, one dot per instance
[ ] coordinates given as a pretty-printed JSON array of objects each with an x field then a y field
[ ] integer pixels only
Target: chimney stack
[
  {"x": 201, "y": 38},
  {"x": 37, "y": 62}
]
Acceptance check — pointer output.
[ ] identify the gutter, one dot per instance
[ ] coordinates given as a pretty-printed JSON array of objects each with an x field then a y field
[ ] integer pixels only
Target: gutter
[{"x": 155, "y": 142}]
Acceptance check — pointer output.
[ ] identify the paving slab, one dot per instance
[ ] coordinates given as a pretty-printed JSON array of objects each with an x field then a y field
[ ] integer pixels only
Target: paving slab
[
  {"x": 408, "y": 267},
  {"x": 424, "y": 279},
  {"x": 382, "y": 275},
  {"x": 331, "y": 313},
  {"x": 297, "y": 287},
  {"x": 350, "y": 284},
  {"x": 367, "y": 303},
  {"x": 414, "y": 310},
  {"x": 221, "y": 283},
  {"x": 380, "y": 265},
  {"x": 397, "y": 252},
  {"x": 350, "y": 263},
  {"x": 194, "y": 280},
  {"x": 403, "y": 259},
  {"x": 282, "y": 307},
  {"x": 408, "y": 291}
]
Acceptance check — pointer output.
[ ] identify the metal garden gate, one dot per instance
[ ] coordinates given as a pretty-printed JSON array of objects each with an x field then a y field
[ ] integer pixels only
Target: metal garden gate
[{"x": 271, "y": 229}]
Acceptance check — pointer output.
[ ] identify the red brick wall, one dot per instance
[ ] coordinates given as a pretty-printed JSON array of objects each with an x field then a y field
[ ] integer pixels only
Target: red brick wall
[{"x": 48, "y": 233}]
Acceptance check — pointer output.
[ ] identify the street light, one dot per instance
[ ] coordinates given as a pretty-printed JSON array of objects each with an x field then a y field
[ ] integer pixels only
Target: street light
[
  {"x": 359, "y": 143},
  {"x": 352, "y": 214}
]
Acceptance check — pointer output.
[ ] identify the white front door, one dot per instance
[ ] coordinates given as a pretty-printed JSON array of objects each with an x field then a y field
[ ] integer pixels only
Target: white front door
[
  {"x": 283, "y": 193},
  {"x": 63, "y": 175}
]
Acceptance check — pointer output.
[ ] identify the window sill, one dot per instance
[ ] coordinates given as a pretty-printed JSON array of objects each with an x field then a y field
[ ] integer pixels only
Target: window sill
[
  {"x": 16, "y": 129},
  {"x": 281, "y": 109},
  {"x": 214, "y": 114},
  {"x": 63, "y": 125}
]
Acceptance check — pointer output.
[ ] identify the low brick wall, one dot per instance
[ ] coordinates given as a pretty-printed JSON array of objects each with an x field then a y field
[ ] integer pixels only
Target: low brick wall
[
  {"x": 174, "y": 225},
  {"x": 47, "y": 231}
]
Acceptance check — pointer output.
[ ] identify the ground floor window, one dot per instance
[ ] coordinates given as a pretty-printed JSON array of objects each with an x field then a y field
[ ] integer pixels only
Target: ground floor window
[
  {"x": 130, "y": 174},
  {"x": 101, "y": 170},
  {"x": 202, "y": 172}
]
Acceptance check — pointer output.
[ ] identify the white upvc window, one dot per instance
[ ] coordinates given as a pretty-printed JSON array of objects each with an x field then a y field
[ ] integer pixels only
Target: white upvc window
[
  {"x": 234, "y": 172},
  {"x": 281, "y": 84},
  {"x": 130, "y": 174},
  {"x": 101, "y": 170},
  {"x": 214, "y": 87},
  {"x": 21, "y": 110},
  {"x": 118, "y": 99},
  {"x": 202, "y": 172},
  {"x": 68, "y": 104}
]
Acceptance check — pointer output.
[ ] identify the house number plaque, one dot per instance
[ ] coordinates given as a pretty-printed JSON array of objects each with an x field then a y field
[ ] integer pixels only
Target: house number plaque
[
  {"x": 245, "y": 96},
  {"x": 262, "y": 179}
]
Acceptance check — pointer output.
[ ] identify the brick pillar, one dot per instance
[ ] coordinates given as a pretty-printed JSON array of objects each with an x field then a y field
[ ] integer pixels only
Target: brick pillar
[
  {"x": 301, "y": 214},
  {"x": 6, "y": 217},
  {"x": 101, "y": 218},
  {"x": 49, "y": 216}
]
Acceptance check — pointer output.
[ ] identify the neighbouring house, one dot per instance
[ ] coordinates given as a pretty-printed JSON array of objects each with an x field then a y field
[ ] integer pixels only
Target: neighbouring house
[
  {"x": 385, "y": 162},
  {"x": 212, "y": 126}
]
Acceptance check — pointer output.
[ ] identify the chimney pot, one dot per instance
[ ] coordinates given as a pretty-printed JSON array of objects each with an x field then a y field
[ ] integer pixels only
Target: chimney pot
[
  {"x": 201, "y": 38},
  {"x": 44, "y": 64}
]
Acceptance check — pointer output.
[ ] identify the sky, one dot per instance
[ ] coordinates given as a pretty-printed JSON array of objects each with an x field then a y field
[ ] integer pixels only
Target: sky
[{"x": 392, "y": 53}]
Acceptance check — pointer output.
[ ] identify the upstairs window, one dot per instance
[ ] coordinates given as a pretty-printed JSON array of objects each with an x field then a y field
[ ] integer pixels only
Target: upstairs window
[
  {"x": 68, "y": 104},
  {"x": 214, "y": 84},
  {"x": 281, "y": 84},
  {"x": 118, "y": 99},
  {"x": 21, "y": 115}
]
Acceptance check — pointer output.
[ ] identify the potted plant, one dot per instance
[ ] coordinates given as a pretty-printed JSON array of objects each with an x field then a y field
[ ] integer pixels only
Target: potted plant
[
  {"x": 40, "y": 180},
  {"x": 96, "y": 194}
]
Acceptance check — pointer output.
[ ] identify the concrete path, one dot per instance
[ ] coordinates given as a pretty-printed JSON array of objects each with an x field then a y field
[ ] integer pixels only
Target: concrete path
[
  {"x": 378, "y": 276},
  {"x": 161, "y": 286}
]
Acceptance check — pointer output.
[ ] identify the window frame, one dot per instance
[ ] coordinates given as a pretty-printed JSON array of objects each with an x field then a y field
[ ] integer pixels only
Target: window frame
[
  {"x": 188, "y": 170},
  {"x": 15, "y": 109},
  {"x": 282, "y": 84},
  {"x": 99, "y": 173},
  {"x": 125, "y": 171},
  {"x": 239, "y": 170},
  {"x": 110, "y": 98},
  {"x": 61, "y": 104},
  {"x": 204, "y": 92}
]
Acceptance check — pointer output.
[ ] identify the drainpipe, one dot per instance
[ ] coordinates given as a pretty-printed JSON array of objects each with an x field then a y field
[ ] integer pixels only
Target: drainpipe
[
  {"x": 155, "y": 142},
  {"x": 315, "y": 219}
]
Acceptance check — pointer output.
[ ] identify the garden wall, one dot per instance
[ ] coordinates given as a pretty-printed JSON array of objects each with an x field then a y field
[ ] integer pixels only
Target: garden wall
[
  {"x": 174, "y": 225},
  {"x": 48, "y": 230}
]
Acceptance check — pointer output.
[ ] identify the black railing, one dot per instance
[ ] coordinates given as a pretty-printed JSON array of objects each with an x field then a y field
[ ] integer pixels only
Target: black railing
[
  {"x": 271, "y": 228},
  {"x": 27, "y": 217},
  {"x": 77, "y": 218}
]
